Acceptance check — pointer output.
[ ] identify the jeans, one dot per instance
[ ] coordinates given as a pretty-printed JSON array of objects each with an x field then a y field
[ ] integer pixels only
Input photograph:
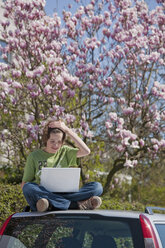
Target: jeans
[{"x": 33, "y": 192}]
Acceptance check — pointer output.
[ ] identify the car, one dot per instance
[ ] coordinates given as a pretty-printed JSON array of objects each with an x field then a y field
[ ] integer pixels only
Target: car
[{"x": 85, "y": 229}]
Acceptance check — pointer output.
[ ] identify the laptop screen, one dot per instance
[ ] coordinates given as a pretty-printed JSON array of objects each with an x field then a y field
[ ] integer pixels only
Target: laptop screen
[{"x": 60, "y": 179}]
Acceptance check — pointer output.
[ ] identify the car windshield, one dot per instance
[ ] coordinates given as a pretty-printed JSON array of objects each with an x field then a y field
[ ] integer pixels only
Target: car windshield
[{"x": 75, "y": 232}]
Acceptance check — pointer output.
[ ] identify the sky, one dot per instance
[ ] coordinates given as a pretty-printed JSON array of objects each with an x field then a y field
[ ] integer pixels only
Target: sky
[{"x": 59, "y": 5}]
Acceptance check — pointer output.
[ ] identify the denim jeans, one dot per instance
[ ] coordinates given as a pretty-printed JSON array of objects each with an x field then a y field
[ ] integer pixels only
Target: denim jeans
[{"x": 33, "y": 192}]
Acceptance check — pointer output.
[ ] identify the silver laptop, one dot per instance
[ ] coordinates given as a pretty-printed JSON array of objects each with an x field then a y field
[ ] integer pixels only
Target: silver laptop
[{"x": 60, "y": 179}]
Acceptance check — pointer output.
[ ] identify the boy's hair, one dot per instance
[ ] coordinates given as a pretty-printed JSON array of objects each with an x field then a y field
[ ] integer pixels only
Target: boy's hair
[{"x": 47, "y": 131}]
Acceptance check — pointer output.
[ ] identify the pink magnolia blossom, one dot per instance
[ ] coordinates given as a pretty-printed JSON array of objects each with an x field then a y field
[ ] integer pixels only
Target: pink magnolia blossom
[
  {"x": 88, "y": 134},
  {"x": 30, "y": 74},
  {"x": 12, "y": 92},
  {"x": 84, "y": 125},
  {"x": 91, "y": 87},
  {"x": 106, "y": 32},
  {"x": 130, "y": 163},
  {"x": 4, "y": 86},
  {"x": 120, "y": 121},
  {"x": 154, "y": 141},
  {"x": 35, "y": 94},
  {"x": 113, "y": 116},
  {"x": 121, "y": 100},
  {"x": 128, "y": 111},
  {"x": 112, "y": 186},
  {"x": 162, "y": 143},
  {"x": 108, "y": 124},
  {"x": 156, "y": 147},
  {"x": 29, "y": 141},
  {"x": 135, "y": 144},
  {"x": 120, "y": 148},
  {"x": 70, "y": 118},
  {"x": 110, "y": 134},
  {"x": 116, "y": 180},
  {"x": 59, "y": 110},
  {"x": 16, "y": 85},
  {"x": 3, "y": 95},
  {"x": 71, "y": 93},
  {"x": 125, "y": 141},
  {"x": 128, "y": 134},
  {"x": 31, "y": 118},
  {"x": 110, "y": 100},
  {"x": 16, "y": 73},
  {"x": 5, "y": 23},
  {"x": 48, "y": 89},
  {"x": 141, "y": 142}
]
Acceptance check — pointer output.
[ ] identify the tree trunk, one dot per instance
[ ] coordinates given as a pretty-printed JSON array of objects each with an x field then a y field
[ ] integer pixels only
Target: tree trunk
[{"x": 110, "y": 176}]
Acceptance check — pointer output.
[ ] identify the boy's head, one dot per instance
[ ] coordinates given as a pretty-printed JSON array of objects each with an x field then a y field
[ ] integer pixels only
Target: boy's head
[{"x": 50, "y": 132}]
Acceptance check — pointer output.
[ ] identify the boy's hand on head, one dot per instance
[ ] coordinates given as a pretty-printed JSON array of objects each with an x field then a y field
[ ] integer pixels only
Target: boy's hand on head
[
  {"x": 58, "y": 124},
  {"x": 53, "y": 124}
]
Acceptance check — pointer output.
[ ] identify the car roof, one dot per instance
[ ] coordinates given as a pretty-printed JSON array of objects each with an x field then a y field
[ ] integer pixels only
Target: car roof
[{"x": 104, "y": 213}]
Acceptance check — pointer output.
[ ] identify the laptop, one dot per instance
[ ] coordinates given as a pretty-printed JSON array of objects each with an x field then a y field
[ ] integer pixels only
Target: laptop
[{"x": 62, "y": 180}]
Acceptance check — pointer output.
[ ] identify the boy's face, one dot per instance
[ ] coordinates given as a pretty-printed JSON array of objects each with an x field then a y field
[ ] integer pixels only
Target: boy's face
[{"x": 54, "y": 142}]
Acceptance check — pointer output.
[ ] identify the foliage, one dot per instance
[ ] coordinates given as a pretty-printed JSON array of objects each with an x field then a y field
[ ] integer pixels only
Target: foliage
[
  {"x": 143, "y": 185},
  {"x": 101, "y": 70},
  {"x": 92, "y": 164},
  {"x": 155, "y": 196},
  {"x": 148, "y": 185},
  {"x": 116, "y": 204},
  {"x": 11, "y": 175},
  {"x": 11, "y": 199}
]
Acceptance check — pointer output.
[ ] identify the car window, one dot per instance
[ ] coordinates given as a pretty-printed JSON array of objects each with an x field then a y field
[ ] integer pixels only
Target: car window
[
  {"x": 161, "y": 230},
  {"x": 10, "y": 242},
  {"x": 76, "y": 231}
]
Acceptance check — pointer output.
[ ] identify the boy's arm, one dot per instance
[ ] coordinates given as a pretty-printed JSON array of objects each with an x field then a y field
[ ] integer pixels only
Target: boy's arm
[{"x": 22, "y": 184}]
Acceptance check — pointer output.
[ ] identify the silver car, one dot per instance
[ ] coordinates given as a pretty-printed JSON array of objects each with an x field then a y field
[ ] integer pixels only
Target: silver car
[{"x": 85, "y": 229}]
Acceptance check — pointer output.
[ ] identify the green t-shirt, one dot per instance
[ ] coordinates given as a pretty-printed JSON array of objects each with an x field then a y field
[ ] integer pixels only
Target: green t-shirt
[{"x": 65, "y": 157}]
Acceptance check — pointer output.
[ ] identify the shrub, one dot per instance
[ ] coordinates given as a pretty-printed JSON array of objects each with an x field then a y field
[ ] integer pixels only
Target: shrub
[
  {"x": 11, "y": 200},
  {"x": 116, "y": 204}
]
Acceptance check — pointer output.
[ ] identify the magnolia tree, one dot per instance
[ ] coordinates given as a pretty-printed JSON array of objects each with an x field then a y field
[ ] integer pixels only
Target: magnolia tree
[
  {"x": 136, "y": 120},
  {"x": 117, "y": 50},
  {"x": 100, "y": 69},
  {"x": 36, "y": 84}
]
